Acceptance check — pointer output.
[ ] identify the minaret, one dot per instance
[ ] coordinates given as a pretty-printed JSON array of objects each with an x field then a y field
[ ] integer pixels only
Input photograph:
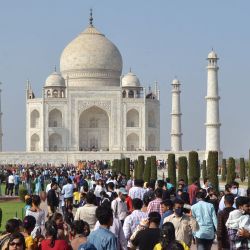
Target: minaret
[
  {"x": 176, "y": 143},
  {"x": 212, "y": 118},
  {"x": 1, "y": 131}
]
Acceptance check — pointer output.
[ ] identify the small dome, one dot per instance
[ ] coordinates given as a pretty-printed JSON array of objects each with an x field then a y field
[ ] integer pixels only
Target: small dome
[
  {"x": 212, "y": 55},
  {"x": 176, "y": 81},
  {"x": 55, "y": 80},
  {"x": 130, "y": 80}
]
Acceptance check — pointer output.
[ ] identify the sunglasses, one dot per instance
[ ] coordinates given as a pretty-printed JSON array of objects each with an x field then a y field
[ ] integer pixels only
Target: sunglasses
[{"x": 13, "y": 243}]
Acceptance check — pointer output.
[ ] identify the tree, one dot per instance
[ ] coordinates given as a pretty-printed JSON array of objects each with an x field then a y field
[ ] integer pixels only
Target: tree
[
  {"x": 242, "y": 169},
  {"x": 153, "y": 168},
  {"x": 212, "y": 165},
  {"x": 224, "y": 170},
  {"x": 123, "y": 166},
  {"x": 119, "y": 165},
  {"x": 182, "y": 170},
  {"x": 193, "y": 162},
  {"x": 172, "y": 169},
  {"x": 204, "y": 170},
  {"x": 141, "y": 164},
  {"x": 136, "y": 169},
  {"x": 127, "y": 168},
  {"x": 147, "y": 170},
  {"x": 231, "y": 175}
]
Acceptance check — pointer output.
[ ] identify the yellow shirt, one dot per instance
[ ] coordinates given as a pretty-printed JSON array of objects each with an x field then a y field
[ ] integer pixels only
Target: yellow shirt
[
  {"x": 29, "y": 242},
  {"x": 77, "y": 196},
  {"x": 158, "y": 246}
]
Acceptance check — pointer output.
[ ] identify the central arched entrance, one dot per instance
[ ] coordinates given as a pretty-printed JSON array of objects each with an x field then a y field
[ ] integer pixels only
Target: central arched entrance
[{"x": 94, "y": 130}]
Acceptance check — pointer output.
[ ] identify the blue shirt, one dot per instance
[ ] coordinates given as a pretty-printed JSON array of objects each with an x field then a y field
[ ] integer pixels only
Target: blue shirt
[
  {"x": 103, "y": 239},
  {"x": 166, "y": 214},
  {"x": 205, "y": 215},
  {"x": 67, "y": 190}
]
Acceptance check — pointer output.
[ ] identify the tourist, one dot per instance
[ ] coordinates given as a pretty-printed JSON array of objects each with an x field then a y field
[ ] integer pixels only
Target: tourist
[
  {"x": 222, "y": 234},
  {"x": 16, "y": 183},
  {"x": 102, "y": 238},
  {"x": 167, "y": 209},
  {"x": 150, "y": 191},
  {"x": 185, "y": 225},
  {"x": 183, "y": 184},
  {"x": 192, "y": 191},
  {"x": 149, "y": 235},
  {"x": 227, "y": 191},
  {"x": 67, "y": 192},
  {"x": 137, "y": 191},
  {"x": 80, "y": 231},
  {"x": 155, "y": 205},
  {"x": 16, "y": 242},
  {"x": 119, "y": 205},
  {"x": 28, "y": 203},
  {"x": 62, "y": 228},
  {"x": 166, "y": 193},
  {"x": 88, "y": 211},
  {"x": 52, "y": 199},
  {"x": 29, "y": 223},
  {"x": 38, "y": 184},
  {"x": 239, "y": 219},
  {"x": 205, "y": 215},
  {"x": 52, "y": 242},
  {"x": 12, "y": 226},
  {"x": 167, "y": 239},
  {"x": 38, "y": 214},
  {"x": 10, "y": 184},
  {"x": 98, "y": 189},
  {"x": 133, "y": 220},
  {"x": 206, "y": 184}
]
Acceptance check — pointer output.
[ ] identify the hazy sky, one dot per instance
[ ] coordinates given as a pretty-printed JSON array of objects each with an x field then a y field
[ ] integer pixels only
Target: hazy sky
[{"x": 157, "y": 39}]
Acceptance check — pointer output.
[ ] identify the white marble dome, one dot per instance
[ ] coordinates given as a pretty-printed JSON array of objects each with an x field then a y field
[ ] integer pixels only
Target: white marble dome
[
  {"x": 176, "y": 82},
  {"x": 91, "y": 55},
  {"x": 212, "y": 55},
  {"x": 55, "y": 80},
  {"x": 130, "y": 80}
]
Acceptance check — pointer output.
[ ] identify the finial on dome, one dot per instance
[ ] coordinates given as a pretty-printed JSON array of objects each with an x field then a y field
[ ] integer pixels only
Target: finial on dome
[
  {"x": 55, "y": 68},
  {"x": 91, "y": 17},
  {"x": 130, "y": 70}
]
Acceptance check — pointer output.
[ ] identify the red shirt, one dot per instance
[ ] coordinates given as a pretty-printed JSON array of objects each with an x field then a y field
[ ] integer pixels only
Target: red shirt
[{"x": 59, "y": 245}]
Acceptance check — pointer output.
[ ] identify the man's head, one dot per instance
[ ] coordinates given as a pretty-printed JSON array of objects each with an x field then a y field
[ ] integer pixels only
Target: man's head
[
  {"x": 54, "y": 185},
  {"x": 201, "y": 195},
  {"x": 234, "y": 188},
  {"x": 178, "y": 207},
  {"x": 229, "y": 200},
  {"x": 154, "y": 218},
  {"x": 181, "y": 182},
  {"x": 105, "y": 216},
  {"x": 90, "y": 198},
  {"x": 158, "y": 193},
  {"x": 137, "y": 204},
  {"x": 242, "y": 203},
  {"x": 123, "y": 194},
  {"x": 166, "y": 205},
  {"x": 111, "y": 186},
  {"x": 160, "y": 183}
]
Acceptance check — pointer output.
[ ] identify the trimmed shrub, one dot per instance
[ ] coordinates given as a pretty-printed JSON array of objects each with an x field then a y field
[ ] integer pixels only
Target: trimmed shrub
[
  {"x": 224, "y": 170},
  {"x": 22, "y": 192},
  {"x": 136, "y": 170},
  {"x": 127, "y": 168},
  {"x": 231, "y": 174},
  {"x": 147, "y": 170},
  {"x": 193, "y": 162},
  {"x": 182, "y": 170},
  {"x": 242, "y": 169},
  {"x": 204, "y": 170},
  {"x": 141, "y": 165},
  {"x": 119, "y": 165},
  {"x": 212, "y": 165},
  {"x": 172, "y": 169},
  {"x": 153, "y": 168},
  {"x": 123, "y": 166}
]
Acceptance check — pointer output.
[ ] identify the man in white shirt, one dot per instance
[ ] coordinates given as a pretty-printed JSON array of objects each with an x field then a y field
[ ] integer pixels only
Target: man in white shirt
[
  {"x": 67, "y": 192},
  {"x": 10, "y": 184}
]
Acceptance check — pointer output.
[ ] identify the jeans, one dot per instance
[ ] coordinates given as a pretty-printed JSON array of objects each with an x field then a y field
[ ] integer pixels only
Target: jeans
[{"x": 204, "y": 244}]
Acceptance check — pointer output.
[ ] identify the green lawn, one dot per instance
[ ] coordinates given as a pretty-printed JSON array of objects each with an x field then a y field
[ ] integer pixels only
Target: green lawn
[{"x": 11, "y": 209}]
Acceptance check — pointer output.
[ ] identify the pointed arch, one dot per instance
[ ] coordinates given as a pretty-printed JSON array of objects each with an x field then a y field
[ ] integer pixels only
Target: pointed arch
[
  {"x": 151, "y": 119},
  {"x": 55, "y": 118},
  {"x": 133, "y": 118},
  {"x": 34, "y": 119},
  {"x": 55, "y": 142},
  {"x": 132, "y": 142},
  {"x": 35, "y": 142}
]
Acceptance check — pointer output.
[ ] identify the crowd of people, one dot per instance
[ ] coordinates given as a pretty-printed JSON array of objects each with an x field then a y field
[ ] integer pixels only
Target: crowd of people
[{"x": 95, "y": 209}]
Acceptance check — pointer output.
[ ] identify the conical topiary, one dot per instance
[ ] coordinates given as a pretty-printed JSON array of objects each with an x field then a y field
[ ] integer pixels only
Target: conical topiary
[
  {"x": 212, "y": 165},
  {"x": 182, "y": 169},
  {"x": 224, "y": 170},
  {"x": 147, "y": 170},
  {"x": 193, "y": 163},
  {"x": 231, "y": 174},
  {"x": 153, "y": 168},
  {"x": 127, "y": 168},
  {"x": 136, "y": 169},
  {"x": 242, "y": 169},
  {"x": 123, "y": 166},
  {"x": 141, "y": 164},
  {"x": 204, "y": 170},
  {"x": 172, "y": 169}
]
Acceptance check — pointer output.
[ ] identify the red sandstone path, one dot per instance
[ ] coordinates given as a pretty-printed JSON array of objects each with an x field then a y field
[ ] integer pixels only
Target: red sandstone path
[{"x": 214, "y": 247}]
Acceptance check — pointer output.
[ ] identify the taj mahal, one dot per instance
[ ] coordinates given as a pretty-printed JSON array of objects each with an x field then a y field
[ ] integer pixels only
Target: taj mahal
[{"x": 90, "y": 109}]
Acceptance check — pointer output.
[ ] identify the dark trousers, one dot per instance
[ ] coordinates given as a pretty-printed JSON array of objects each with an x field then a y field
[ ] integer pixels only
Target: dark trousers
[
  {"x": 16, "y": 189},
  {"x": 204, "y": 244},
  {"x": 10, "y": 188}
]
